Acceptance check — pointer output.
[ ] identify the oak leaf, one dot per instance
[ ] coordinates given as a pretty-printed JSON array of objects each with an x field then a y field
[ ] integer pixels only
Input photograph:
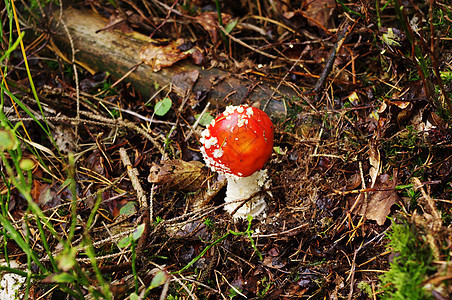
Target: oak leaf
[
  {"x": 179, "y": 175},
  {"x": 381, "y": 200}
]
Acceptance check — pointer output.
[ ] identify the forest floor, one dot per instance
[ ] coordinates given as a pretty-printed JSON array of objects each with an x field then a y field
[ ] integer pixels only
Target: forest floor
[{"x": 104, "y": 192}]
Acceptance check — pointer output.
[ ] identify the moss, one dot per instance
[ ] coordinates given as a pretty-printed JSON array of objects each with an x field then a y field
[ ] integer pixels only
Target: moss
[{"x": 410, "y": 266}]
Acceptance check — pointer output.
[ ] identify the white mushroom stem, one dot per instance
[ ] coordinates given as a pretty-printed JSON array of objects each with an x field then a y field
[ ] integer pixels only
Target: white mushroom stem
[{"x": 242, "y": 188}]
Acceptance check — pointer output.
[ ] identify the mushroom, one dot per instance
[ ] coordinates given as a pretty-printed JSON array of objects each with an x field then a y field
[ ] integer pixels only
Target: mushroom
[{"x": 238, "y": 143}]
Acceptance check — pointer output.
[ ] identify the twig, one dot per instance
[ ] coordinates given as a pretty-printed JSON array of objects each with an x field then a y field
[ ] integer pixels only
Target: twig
[
  {"x": 131, "y": 70},
  {"x": 197, "y": 122},
  {"x": 330, "y": 62},
  {"x": 246, "y": 45},
  {"x": 279, "y": 84},
  {"x": 170, "y": 10},
  {"x": 133, "y": 176},
  {"x": 127, "y": 124},
  {"x": 279, "y": 234},
  {"x": 352, "y": 274},
  {"x": 185, "y": 288}
]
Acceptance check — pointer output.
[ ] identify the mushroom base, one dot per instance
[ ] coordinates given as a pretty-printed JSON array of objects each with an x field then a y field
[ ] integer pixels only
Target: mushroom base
[{"x": 242, "y": 188}]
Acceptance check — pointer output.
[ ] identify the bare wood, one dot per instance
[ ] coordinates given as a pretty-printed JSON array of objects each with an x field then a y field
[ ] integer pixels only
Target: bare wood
[
  {"x": 118, "y": 53},
  {"x": 133, "y": 176}
]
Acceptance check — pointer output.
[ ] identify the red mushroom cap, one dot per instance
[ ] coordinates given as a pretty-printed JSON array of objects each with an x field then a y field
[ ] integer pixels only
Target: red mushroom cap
[{"x": 239, "y": 141}]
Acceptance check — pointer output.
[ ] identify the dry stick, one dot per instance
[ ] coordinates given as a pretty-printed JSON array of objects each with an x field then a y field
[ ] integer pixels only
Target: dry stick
[
  {"x": 246, "y": 45},
  {"x": 329, "y": 63},
  {"x": 133, "y": 176},
  {"x": 141, "y": 195},
  {"x": 192, "y": 129},
  {"x": 151, "y": 204},
  {"x": 128, "y": 125},
  {"x": 283, "y": 80},
  {"x": 131, "y": 70},
  {"x": 279, "y": 234},
  {"x": 352, "y": 274}
]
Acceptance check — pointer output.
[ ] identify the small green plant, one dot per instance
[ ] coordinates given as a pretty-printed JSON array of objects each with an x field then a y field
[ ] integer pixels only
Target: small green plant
[
  {"x": 131, "y": 240},
  {"x": 233, "y": 292},
  {"x": 410, "y": 266},
  {"x": 365, "y": 287},
  {"x": 248, "y": 232},
  {"x": 163, "y": 106},
  {"x": 158, "y": 220},
  {"x": 413, "y": 195},
  {"x": 209, "y": 223},
  {"x": 267, "y": 285},
  {"x": 204, "y": 119},
  {"x": 107, "y": 89}
]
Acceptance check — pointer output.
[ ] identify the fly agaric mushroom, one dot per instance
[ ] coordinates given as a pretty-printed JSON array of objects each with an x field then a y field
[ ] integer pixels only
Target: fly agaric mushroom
[{"x": 238, "y": 143}]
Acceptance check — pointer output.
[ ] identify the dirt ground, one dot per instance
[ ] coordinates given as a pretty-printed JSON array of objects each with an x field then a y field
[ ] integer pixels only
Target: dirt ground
[{"x": 110, "y": 103}]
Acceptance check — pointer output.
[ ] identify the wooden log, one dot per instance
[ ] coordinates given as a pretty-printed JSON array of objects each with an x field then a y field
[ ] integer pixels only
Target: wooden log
[{"x": 118, "y": 53}]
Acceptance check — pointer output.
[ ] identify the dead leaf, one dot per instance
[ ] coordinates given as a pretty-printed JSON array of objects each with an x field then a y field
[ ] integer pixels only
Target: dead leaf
[
  {"x": 159, "y": 57},
  {"x": 354, "y": 181},
  {"x": 118, "y": 22},
  {"x": 274, "y": 262},
  {"x": 50, "y": 195},
  {"x": 197, "y": 55},
  {"x": 179, "y": 175},
  {"x": 400, "y": 104},
  {"x": 201, "y": 200},
  {"x": 65, "y": 138},
  {"x": 318, "y": 12},
  {"x": 382, "y": 107},
  {"x": 209, "y": 21},
  {"x": 379, "y": 202},
  {"x": 184, "y": 81}
]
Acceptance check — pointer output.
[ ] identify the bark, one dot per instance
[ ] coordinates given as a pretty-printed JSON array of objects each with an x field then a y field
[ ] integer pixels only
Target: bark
[{"x": 117, "y": 53}]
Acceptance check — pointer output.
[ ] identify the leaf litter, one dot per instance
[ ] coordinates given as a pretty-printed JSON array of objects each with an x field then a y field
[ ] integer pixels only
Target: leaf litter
[{"x": 369, "y": 149}]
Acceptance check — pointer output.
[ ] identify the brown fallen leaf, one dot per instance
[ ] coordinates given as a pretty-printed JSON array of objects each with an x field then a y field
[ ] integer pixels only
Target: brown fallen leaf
[
  {"x": 353, "y": 182},
  {"x": 159, "y": 57},
  {"x": 209, "y": 21},
  {"x": 179, "y": 175},
  {"x": 274, "y": 262},
  {"x": 118, "y": 22},
  {"x": 184, "y": 81},
  {"x": 379, "y": 202},
  {"x": 318, "y": 12}
]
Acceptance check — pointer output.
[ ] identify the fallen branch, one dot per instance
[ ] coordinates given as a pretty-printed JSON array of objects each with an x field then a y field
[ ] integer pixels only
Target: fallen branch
[{"x": 118, "y": 54}]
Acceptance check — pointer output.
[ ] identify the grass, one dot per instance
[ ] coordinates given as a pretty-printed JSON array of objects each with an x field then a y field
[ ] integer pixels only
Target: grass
[
  {"x": 61, "y": 270},
  {"x": 38, "y": 233}
]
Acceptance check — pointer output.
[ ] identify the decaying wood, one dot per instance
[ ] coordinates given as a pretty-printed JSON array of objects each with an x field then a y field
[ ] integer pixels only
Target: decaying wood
[{"x": 118, "y": 53}]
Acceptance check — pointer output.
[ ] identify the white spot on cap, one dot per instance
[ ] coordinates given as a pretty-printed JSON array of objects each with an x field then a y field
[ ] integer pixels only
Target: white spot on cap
[
  {"x": 205, "y": 133},
  {"x": 212, "y": 141},
  {"x": 242, "y": 121},
  {"x": 217, "y": 153},
  {"x": 229, "y": 110}
]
